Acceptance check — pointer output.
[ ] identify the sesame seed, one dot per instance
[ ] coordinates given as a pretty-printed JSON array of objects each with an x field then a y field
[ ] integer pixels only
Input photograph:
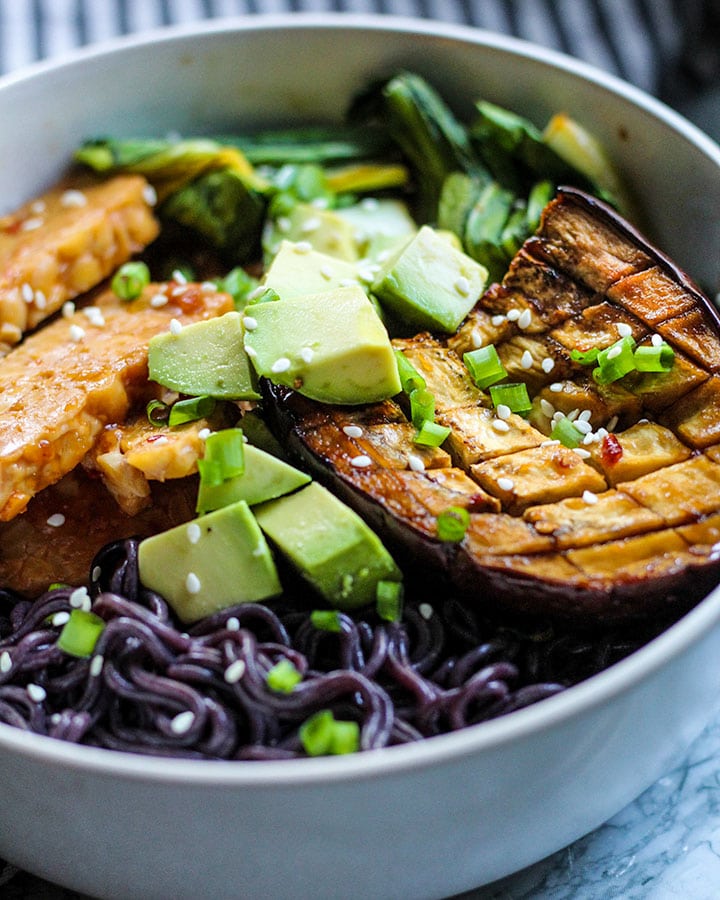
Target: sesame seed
[
  {"x": 353, "y": 431},
  {"x": 612, "y": 424},
  {"x": 175, "y": 326},
  {"x": 302, "y": 247},
  {"x": 476, "y": 339},
  {"x": 326, "y": 272},
  {"x": 590, "y": 438},
  {"x": 5, "y": 662},
  {"x": 573, "y": 414},
  {"x": 96, "y": 665},
  {"x": 498, "y": 320},
  {"x": 623, "y": 329},
  {"x": 96, "y": 573},
  {"x": 38, "y": 206},
  {"x": 425, "y": 611},
  {"x": 183, "y": 722},
  {"x": 503, "y": 411},
  {"x": 614, "y": 352},
  {"x": 194, "y": 532},
  {"x": 234, "y": 671},
  {"x": 505, "y": 484},
  {"x": 367, "y": 274},
  {"x": 56, "y": 520},
  {"x": 72, "y": 198},
  {"x": 546, "y": 408},
  {"x": 36, "y": 693},
  {"x": 656, "y": 340},
  {"x": 590, "y": 497},
  {"x": 310, "y": 225},
  {"x": 361, "y": 462},
  {"x": 643, "y": 421},
  {"x": 204, "y": 434},
  {"x": 280, "y": 365},
  {"x": 557, "y": 415},
  {"x": 192, "y": 583},
  {"x": 178, "y": 290},
  {"x": 348, "y": 282},
  {"x": 68, "y": 309},
  {"x": 525, "y": 319},
  {"x": 526, "y": 360},
  {"x": 283, "y": 224},
  {"x": 415, "y": 462},
  {"x": 161, "y": 440},
  {"x": 80, "y": 599},
  {"x": 581, "y": 452},
  {"x": 233, "y": 623},
  {"x": 158, "y": 301},
  {"x": 601, "y": 433},
  {"x": 60, "y": 619},
  {"x": 40, "y": 300},
  {"x": 306, "y": 354},
  {"x": 582, "y": 426},
  {"x": 31, "y": 224},
  {"x": 179, "y": 277},
  {"x": 28, "y": 294},
  {"x": 209, "y": 286},
  {"x": 585, "y": 415},
  {"x": 250, "y": 323},
  {"x": 552, "y": 443},
  {"x": 499, "y": 425},
  {"x": 94, "y": 316},
  {"x": 251, "y": 351},
  {"x": 149, "y": 195},
  {"x": 556, "y": 387},
  {"x": 256, "y": 292},
  {"x": 462, "y": 286},
  {"x": 547, "y": 365},
  {"x": 513, "y": 315}
]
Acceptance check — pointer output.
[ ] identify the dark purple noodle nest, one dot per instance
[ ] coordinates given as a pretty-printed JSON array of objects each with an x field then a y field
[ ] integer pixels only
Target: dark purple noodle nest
[{"x": 442, "y": 668}]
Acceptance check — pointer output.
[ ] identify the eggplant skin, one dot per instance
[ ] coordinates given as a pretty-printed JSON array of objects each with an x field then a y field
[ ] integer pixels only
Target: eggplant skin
[{"x": 626, "y": 528}]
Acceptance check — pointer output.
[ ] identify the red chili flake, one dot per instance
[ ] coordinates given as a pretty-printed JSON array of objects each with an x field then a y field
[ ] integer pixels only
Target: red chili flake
[{"x": 611, "y": 450}]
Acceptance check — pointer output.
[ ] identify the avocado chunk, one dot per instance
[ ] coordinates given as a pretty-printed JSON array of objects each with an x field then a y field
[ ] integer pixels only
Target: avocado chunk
[
  {"x": 204, "y": 359},
  {"x": 430, "y": 284},
  {"x": 329, "y": 545},
  {"x": 331, "y": 347},
  {"x": 379, "y": 225},
  {"x": 297, "y": 270},
  {"x": 324, "y": 229},
  {"x": 264, "y": 478},
  {"x": 215, "y": 561}
]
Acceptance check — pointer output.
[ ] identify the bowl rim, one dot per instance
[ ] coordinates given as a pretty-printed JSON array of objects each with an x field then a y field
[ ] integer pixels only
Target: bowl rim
[{"x": 488, "y": 736}]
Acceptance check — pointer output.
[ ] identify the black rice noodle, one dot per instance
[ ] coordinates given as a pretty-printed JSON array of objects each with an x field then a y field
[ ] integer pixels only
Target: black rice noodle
[{"x": 151, "y": 687}]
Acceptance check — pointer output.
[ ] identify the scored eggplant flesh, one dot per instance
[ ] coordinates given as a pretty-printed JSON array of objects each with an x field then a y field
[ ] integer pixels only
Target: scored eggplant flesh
[{"x": 628, "y": 525}]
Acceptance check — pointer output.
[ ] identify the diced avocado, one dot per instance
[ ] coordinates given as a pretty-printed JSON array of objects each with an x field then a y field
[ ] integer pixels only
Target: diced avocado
[
  {"x": 324, "y": 229},
  {"x": 430, "y": 284},
  {"x": 216, "y": 561},
  {"x": 297, "y": 270},
  {"x": 264, "y": 478},
  {"x": 331, "y": 347},
  {"x": 379, "y": 225},
  {"x": 329, "y": 545},
  {"x": 205, "y": 358}
]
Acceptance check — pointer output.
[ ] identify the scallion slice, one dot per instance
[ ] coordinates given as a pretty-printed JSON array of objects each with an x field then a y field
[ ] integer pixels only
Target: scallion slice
[
  {"x": 323, "y": 735},
  {"x": 484, "y": 366},
  {"x": 514, "y": 396},
  {"x": 80, "y": 633},
  {"x": 326, "y": 620},
  {"x": 431, "y": 434},
  {"x": 615, "y": 361},
  {"x": 452, "y": 523},
  {"x": 410, "y": 379},
  {"x": 224, "y": 456},
  {"x": 283, "y": 677},
  {"x": 422, "y": 407},
  {"x": 585, "y": 357},
  {"x": 190, "y": 410},
  {"x": 652, "y": 358},
  {"x": 566, "y": 432},
  {"x": 130, "y": 280},
  {"x": 157, "y": 412},
  {"x": 389, "y": 597}
]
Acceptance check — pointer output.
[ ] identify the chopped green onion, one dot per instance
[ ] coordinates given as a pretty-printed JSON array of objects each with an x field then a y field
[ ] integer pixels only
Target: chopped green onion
[
  {"x": 514, "y": 396},
  {"x": 80, "y": 633},
  {"x": 157, "y": 412},
  {"x": 389, "y": 596},
  {"x": 422, "y": 407},
  {"x": 323, "y": 734},
  {"x": 651, "y": 358},
  {"x": 410, "y": 378},
  {"x": 224, "y": 456},
  {"x": 431, "y": 434},
  {"x": 190, "y": 410},
  {"x": 326, "y": 619},
  {"x": 615, "y": 361},
  {"x": 283, "y": 677},
  {"x": 484, "y": 366},
  {"x": 452, "y": 523},
  {"x": 130, "y": 280},
  {"x": 585, "y": 357},
  {"x": 565, "y": 431}
]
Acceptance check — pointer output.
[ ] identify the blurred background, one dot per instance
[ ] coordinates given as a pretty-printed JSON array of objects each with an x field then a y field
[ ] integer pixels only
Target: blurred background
[{"x": 670, "y": 48}]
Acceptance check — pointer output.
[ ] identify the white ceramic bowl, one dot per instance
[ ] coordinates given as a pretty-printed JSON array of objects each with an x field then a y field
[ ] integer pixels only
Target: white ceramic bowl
[{"x": 453, "y": 812}]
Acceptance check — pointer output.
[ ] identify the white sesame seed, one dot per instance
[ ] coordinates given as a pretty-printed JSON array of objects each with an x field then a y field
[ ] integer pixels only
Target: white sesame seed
[
  {"x": 158, "y": 301},
  {"x": 68, "y": 309},
  {"x": 209, "y": 286},
  {"x": 250, "y": 323},
  {"x": 505, "y": 484},
  {"x": 5, "y": 662},
  {"x": 194, "y": 532},
  {"x": 179, "y": 277},
  {"x": 585, "y": 415},
  {"x": 234, "y": 671},
  {"x": 462, "y": 286},
  {"x": 233, "y": 623},
  {"x": 548, "y": 364},
  {"x": 80, "y": 599},
  {"x": 178, "y": 290},
  {"x": 601, "y": 433},
  {"x": 96, "y": 665},
  {"x": 425, "y": 611},
  {"x": 283, "y": 224},
  {"x": 367, "y": 274},
  {"x": 182, "y": 722},
  {"x": 40, "y": 300},
  {"x": 38, "y": 206},
  {"x": 256, "y": 292},
  {"x": 643, "y": 421},
  {"x": 36, "y": 693},
  {"x": 32, "y": 224},
  {"x": 557, "y": 415},
  {"x": 280, "y": 365},
  {"x": 526, "y": 360},
  {"x": 500, "y": 425},
  {"x": 582, "y": 426},
  {"x": 94, "y": 316},
  {"x": 310, "y": 225},
  {"x": 175, "y": 326},
  {"x": 149, "y": 195},
  {"x": 60, "y": 619},
  {"x": 192, "y": 583},
  {"x": 73, "y": 198},
  {"x": 28, "y": 294},
  {"x": 56, "y": 520},
  {"x": 581, "y": 452},
  {"x": 573, "y": 414},
  {"x": 306, "y": 354},
  {"x": 556, "y": 387},
  {"x": 614, "y": 352},
  {"x": 623, "y": 329},
  {"x": 612, "y": 424},
  {"x": 498, "y": 320},
  {"x": 503, "y": 411},
  {"x": 525, "y": 319},
  {"x": 361, "y": 462},
  {"x": 161, "y": 440},
  {"x": 590, "y": 438},
  {"x": 251, "y": 351},
  {"x": 552, "y": 443},
  {"x": 590, "y": 497},
  {"x": 513, "y": 315},
  {"x": 415, "y": 462},
  {"x": 96, "y": 573},
  {"x": 656, "y": 340},
  {"x": 302, "y": 247},
  {"x": 348, "y": 282},
  {"x": 476, "y": 339},
  {"x": 353, "y": 431},
  {"x": 204, "y": 434},
  {"x": 546, "y": 408}
]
